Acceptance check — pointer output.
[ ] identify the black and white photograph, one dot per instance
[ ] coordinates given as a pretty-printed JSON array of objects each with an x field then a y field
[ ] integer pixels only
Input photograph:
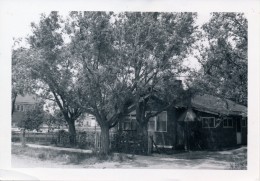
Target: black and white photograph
[{"x": 127, "y": 90}]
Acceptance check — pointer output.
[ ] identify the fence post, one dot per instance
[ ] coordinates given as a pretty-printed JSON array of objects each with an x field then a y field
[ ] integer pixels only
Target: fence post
[
  {"x": 99, "y": 141},
  {"x": 95, "y": 142},
  {"x": 149, "y": 144}
]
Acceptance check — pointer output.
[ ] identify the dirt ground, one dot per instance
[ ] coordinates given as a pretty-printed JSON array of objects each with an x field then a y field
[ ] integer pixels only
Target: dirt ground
[{"x": 219, "y": 160}]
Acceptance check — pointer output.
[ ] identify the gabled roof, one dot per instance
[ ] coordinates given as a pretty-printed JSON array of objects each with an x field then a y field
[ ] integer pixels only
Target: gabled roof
[
  {"x": 26, "y": 99},
  {"x": 215, "y": 105}
]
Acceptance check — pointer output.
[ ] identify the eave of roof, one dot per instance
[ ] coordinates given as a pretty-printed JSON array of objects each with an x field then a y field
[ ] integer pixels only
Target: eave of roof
[{"x": 214, "y": 105}]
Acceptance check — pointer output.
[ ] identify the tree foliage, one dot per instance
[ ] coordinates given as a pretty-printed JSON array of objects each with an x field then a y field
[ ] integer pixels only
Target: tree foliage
[
  {"x": 22, "y": 83},
  {"x": 33, "y": 118},
  {"x": 122, "y": 55},
  {"x": 53, "y": 70},
  {"x": 224, "y": 57}
]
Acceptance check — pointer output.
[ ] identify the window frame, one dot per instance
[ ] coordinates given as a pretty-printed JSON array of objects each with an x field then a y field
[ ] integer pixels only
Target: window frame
[
  {"x": 227, "y": 126},
  {"x": 214, "y": 121},
  {"x": 244, "y": 120},
  {"x": 156, "y": 122},
  {"x": 17, "y": 107},
  {"x": 130, "y": 119},
  {"x": 22, "y": 108}
]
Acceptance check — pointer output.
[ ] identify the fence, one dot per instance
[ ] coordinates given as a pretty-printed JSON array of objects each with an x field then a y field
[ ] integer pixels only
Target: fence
[
  {"x": 84, "y": 140},
  {"x": 127, "y": 142},
  {"x": 42, "y": 138}
]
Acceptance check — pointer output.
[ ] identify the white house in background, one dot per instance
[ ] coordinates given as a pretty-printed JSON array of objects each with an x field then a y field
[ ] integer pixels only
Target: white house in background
[
  {"x": 87, "y": 123},
  {"x": 22, "y": 104}
]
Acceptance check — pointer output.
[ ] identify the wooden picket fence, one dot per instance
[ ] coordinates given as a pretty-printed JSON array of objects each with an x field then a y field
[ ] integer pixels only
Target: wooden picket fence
[{"x": 86, "y": 140}]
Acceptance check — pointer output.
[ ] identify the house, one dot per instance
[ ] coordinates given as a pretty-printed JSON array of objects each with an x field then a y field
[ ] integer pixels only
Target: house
[
  {"x": 87, "y": 123},
  {"x": 209, "y": 122},
  {"x": 22, "y": 104},
  {"x": 198, "y": 122}
]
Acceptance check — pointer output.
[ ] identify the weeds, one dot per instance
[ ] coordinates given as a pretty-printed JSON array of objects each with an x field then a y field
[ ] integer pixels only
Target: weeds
[
  {"x": 77, "y": 158},
  {"x": 239, "y": 163},
  {"x": 239, "y": 160},
  {"x": 71, "y": 157}
]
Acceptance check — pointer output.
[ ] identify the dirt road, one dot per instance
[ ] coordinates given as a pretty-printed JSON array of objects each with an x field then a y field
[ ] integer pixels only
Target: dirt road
[{"x": 192, "y": 160}]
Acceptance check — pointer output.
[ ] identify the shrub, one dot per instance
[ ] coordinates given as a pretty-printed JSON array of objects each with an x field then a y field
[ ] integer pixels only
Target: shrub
[
  {"x": 63, "y": 138},
  {"x": 82, "y": 140},
  {"x": 42, "y": 156},
  {"x": 127, "y": 142}
]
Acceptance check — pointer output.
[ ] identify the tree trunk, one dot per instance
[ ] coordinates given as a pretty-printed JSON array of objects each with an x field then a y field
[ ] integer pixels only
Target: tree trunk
[
  {"x": 23, "y": 141},
  {"x": 104, "y": 140},
  {"x": 13, "y": 102},
  {"x": 72, "y": 133},
  {"x": 142, "y": 132}
]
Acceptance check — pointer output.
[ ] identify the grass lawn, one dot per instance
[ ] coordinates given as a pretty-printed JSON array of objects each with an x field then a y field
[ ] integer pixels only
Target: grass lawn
[{"x": 24, "y": 157}]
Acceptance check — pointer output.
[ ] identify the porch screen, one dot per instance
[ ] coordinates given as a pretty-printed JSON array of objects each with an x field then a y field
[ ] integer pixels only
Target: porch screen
[
  {"x": 129, "y": 123},
  {"x": 158, "y": 123},
  {"x": 208, "y": 122},
  {"x": 151, "y": 124},
  {"x": 162, "y": 122}
]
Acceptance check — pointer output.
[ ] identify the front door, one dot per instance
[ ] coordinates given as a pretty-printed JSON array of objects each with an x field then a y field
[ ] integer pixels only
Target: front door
[{"x": 239, "y": 136}]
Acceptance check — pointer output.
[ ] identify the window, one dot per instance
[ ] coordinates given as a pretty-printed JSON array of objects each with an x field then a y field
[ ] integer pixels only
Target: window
[
  {"x": 217, "y": 122},
  {"x": 244, "y": 122},
  {"x": 130, "y": 123},
  {"x": 161, "y": 122},
  {"x": 208, "y": 122},
  {"x": 18, "y": 107},
  {"x": 158, "y": 123},
  {"x": 228, "y": 123},
  {"x": 25, "y": 107},
  {"x": 21, "y": 108},
  {"x": 151, "y": 124}
]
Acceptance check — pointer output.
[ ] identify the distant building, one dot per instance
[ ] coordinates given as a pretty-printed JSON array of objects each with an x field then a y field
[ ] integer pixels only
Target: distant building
[
  {"x": 87, "y": 123},
  {"x": 22, "y": 104}
]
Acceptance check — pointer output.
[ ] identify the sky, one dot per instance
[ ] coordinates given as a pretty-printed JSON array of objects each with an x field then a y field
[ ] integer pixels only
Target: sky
[{"x": 21, "y": 21}]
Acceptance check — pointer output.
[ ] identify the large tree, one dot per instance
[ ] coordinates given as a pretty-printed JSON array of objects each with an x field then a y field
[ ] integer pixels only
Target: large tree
[
  {"x": 109, "y": 62},
  {"x": 124, "y": 55},
  {"x": 54, "y": 72},
  {"x": 154, "y": 47},
  {"x": 223, "y": 56},
  {"x": 101, "y": 89}
]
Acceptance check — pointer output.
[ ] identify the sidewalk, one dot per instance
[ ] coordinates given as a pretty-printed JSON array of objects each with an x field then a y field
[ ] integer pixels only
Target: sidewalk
[{"x": 56, "y": 148}]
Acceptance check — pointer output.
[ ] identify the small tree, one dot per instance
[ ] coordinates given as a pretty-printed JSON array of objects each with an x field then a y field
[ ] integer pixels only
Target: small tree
[
  {"x": 21, "y": 81},
  {"x": 31, "y": 120}
]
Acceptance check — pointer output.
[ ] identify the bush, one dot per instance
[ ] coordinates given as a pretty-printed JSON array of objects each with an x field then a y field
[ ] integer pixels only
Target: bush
[
  {"x": 42, "y": 156},
  {"x": 82, "y": 140},
  {"x": 63, "y": 138},
  {"x": 127, "y": 142}
]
